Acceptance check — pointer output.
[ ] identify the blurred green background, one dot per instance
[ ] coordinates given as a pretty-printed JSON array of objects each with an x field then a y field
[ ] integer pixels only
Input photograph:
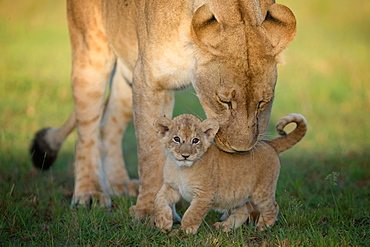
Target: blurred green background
[{"x": 325, "y": 78}]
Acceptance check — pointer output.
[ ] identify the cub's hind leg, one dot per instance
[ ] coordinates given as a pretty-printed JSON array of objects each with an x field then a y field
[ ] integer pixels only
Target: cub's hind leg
[
  {"x": 117, "y": 115},
  {"x": 236, "y": 217},
  {"x": 93, "y": 61},
  {"x": 268, "y": 215}
]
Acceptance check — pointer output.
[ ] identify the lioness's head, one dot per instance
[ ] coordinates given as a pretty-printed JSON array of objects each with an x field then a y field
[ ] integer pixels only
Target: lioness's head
[
  {"x": 237, "y": 49},
  {"x": 185, "y": 138}
]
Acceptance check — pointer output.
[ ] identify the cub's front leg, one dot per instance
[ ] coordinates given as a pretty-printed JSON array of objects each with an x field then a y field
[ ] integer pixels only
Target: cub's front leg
[
  {"x": 163, "y": 202},
  {"x": 196, "y": 212}
]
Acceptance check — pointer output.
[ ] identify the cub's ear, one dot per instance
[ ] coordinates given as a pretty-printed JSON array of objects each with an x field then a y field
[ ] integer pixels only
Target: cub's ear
[
  {"x": 205, "y": 27},
  {"x": 280, "y": 25},
  {"x": 162, "y": 125},
  {"x": 210, "y": 128}
]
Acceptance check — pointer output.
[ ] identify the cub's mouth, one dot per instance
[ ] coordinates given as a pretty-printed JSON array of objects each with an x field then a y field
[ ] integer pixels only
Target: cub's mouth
[{"x": 184, "y": 163}]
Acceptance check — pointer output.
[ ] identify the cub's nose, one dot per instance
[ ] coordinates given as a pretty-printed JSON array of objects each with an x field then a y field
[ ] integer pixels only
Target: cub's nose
[{"x": 185, "y": 156}]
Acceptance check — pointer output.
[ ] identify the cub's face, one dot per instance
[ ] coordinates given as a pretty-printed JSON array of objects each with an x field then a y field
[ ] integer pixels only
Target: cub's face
[{"x": 185, "y": 138}]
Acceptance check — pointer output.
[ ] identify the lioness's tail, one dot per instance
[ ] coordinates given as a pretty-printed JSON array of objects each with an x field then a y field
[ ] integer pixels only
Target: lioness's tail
[
  {"x": 47, "y": 142},
  {"x": 286, "y": 141}
]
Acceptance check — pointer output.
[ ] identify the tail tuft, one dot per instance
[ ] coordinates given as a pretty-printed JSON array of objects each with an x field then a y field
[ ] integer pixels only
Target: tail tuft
[{"x": 43, "y": 153}]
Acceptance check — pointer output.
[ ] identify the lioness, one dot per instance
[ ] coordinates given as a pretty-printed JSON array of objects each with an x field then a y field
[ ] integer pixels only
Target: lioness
[
  {"x": 209, "y": 177},
  {"x": 227, "y": 50}
]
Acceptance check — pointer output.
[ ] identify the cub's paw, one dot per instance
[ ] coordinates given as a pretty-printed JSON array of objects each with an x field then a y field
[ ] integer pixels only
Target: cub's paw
[
  {"x": 140, "y": 213},
  {"x": 224, "y": 226},
  {"x": 189, "y": 229},
  {"x": 262, "y": 227},
  {"x": 91, "y": 199},
  {"x": 174, "y": 232},
  {"x": 163, "y": 222}
]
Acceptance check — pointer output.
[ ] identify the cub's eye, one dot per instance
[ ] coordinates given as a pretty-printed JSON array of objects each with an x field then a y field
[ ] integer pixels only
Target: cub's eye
[
  {"x": 195, "y": 141},
  {"x": 176, "y": 139}
]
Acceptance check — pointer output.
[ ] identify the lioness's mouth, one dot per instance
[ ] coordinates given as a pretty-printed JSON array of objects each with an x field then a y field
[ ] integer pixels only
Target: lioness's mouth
[
  {"x": 226, "y": 147},
  {"x": 223, "y": 146}
]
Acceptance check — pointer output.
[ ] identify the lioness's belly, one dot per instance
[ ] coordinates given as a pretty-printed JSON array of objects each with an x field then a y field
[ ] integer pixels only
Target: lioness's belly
[{"x": 119, "y": 19}]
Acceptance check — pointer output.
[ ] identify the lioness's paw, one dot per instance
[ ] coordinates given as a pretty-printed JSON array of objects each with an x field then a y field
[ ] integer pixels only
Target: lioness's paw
[
  {"x": 130, "y": 187},
  {"x": 91, "y": 199}
]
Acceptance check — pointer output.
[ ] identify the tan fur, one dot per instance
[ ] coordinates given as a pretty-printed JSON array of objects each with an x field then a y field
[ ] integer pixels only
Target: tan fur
[
  {"x": 117, "y": 115},
  {"x": 226, "y": 49},
  {"x": 208, "y": 177}
]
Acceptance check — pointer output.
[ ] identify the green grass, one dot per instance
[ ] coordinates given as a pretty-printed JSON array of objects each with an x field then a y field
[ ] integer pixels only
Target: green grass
[{"x": 324, "y": 186}]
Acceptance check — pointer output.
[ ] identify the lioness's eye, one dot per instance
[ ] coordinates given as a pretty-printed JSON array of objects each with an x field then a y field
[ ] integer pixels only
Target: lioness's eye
[
  {"x": 226, "y": 102},
  {"x": 176, "y": 139},
  {"x": 195, "y": 140},
  {"x": 262, "y": 104}
]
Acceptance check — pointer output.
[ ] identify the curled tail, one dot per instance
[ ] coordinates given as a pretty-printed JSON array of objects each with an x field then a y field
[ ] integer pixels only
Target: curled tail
[
  {"x": 286, "y": 141},
  {"x": 47, "y": 142}
]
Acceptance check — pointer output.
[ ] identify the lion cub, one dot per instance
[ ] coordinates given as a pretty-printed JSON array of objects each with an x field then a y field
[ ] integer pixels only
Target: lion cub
[{"x": 198, "y": 171}]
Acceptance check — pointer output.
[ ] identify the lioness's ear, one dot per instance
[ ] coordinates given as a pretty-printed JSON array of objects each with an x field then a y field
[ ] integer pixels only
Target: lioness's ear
[
  {"x": 162, "y": 125},
  {"x": 210, "y": 128},
  {"x": 280, "y": 25},
  {"x": 205, "y": 27}
]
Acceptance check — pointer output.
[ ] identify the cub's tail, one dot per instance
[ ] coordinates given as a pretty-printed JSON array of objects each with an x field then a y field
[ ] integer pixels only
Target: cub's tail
[
  {"x": 286, "y": 141},
  {"x": 47, "y": 142}
]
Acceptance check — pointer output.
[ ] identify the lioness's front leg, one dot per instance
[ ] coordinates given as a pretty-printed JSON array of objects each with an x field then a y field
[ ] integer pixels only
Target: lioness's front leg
[
  {"x": 150, "y": 102},
  {"x": 93, "y": 62}
]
